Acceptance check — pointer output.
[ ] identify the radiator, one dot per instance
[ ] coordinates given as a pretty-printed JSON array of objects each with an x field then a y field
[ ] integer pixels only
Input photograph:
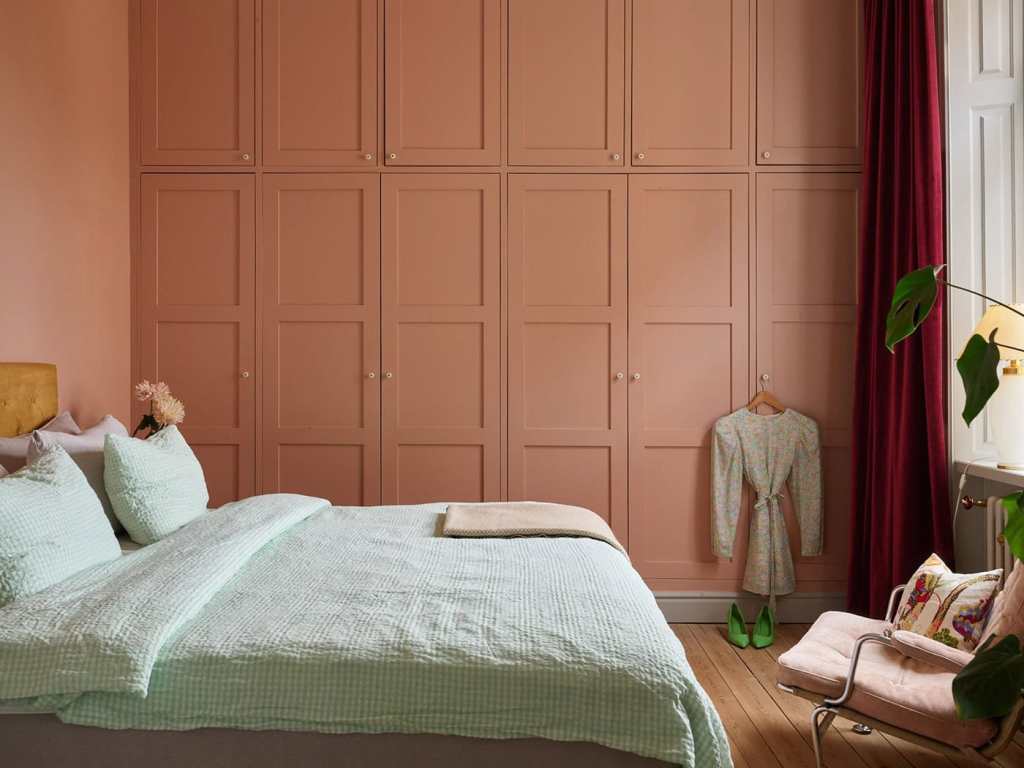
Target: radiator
[{"x": 997, "y": 554}]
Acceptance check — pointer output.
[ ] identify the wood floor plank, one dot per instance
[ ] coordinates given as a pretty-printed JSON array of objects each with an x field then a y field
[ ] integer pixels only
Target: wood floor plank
[
  {"x": 747, "y": 744},
  {"x": 1013, "y": 757},
  {"x": 783, "y": 739}
]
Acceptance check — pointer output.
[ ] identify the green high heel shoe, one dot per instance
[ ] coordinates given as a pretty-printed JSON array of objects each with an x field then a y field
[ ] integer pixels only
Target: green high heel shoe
[
  {"x": 737, "y": 628},
  {"x": 764, "y": 628}
]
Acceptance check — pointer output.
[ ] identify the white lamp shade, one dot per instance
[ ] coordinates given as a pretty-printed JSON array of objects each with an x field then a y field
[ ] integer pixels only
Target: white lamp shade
[{"x": 1009, "y": 328}]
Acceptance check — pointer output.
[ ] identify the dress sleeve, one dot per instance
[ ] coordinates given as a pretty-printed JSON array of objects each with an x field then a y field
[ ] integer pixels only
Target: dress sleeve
[
  {"x": 805, "y": 488},
  {"x": 726, "y": 486}
]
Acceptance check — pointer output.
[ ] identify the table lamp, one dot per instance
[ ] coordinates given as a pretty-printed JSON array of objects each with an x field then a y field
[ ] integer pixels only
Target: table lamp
[{"x": 1006, "y": 408}]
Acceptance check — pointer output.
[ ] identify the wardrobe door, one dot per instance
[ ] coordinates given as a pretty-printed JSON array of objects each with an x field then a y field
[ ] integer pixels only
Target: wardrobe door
[
  {"x": 566, "y": 65},
  {"x": 809, "y": 73},
  {"x": 691, "y": 82},
  {"x": 198, "y": 82},
  {"x": 806, "y": 312},
  {"x": 321, "y": 336},
  {"x": 320, "y": 82},
  {"x": 440, "y": 391},
  {"x": 567, "y": 342},
  {"x": 688, "y": 365},
  {"x": 195, "y": 317},
  {"x": 443, "y": 77}
]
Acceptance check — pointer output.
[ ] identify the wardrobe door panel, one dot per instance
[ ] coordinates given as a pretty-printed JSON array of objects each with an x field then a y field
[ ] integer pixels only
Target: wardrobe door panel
[
  {"x": 321, "y": 336},
  {"x": 688, "y": 365},
  {"x": 566, "y": 82},
  {"x": 809, "y": 73},
  {"x": 691, "y": 82},
  {"x": 440, "y": 288},
  {"x": 567, "y": 342},
  {"x": 194, "y": 311},
  {"x": 319, "y": 82},
  {"x": 443, "y": 77},
  {"x": 197, "y": 82},
  {"x": 806, "y": 300}
]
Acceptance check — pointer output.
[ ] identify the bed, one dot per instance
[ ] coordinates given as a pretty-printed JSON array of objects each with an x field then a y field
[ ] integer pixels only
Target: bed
[{"x": 283, "y": 629}]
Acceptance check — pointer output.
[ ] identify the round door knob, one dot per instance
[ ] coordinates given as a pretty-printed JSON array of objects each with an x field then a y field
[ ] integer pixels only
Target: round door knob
[
  {"x": 371, "y": 375},
  {"x": 368, "y": 156},
  {"x": 636, "y": 377},
  {"x": 619, "y": 375},
  {"x": 392, "y": 156},
  {"x": 245, "y": 374},
  {"x": 616, "y": 156},
  {"x": 640, "y": 156},
  {"x": 766, "y": 155},
  {"x": 245, "y": 155},
  {"x": 387, "y": 374}
]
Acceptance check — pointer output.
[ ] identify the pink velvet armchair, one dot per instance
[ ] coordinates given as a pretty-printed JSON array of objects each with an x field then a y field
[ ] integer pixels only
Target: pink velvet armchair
[{"x": 897, "y": 681}]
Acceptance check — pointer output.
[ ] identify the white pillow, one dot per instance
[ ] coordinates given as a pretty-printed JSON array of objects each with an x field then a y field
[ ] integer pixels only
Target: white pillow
[
  {"x": 13, "y": 450},
  {"x": 87, "y": 451},
  {"x": 156, "y": 486}
]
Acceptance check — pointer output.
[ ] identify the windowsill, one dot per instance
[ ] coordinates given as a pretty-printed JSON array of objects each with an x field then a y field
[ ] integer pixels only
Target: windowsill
[{"x": 987, "y": 470}]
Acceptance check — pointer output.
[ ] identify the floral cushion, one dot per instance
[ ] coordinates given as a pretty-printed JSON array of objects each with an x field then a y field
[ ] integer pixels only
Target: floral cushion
[{"x": 951, "y": 608}]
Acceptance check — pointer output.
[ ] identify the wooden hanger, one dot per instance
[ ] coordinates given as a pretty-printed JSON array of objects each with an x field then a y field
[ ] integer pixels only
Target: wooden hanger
[{"x": 764, "y": 397}]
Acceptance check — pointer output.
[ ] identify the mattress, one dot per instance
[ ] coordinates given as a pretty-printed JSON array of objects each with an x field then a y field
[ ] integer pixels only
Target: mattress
[{"x": 281, "y": 613}]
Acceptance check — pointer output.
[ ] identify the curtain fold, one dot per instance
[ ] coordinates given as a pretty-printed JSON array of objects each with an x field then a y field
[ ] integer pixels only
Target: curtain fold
[{"x": 900, "y": 510}]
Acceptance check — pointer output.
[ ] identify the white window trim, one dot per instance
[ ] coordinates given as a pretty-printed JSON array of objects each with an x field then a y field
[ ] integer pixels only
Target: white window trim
[{"x": 984, "y": 62}]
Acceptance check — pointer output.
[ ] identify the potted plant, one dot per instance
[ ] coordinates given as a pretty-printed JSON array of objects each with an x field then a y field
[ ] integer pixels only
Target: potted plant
[{"x": 991, "y": 684}]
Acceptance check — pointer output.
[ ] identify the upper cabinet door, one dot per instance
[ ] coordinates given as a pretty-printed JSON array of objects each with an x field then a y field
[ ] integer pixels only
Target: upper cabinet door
[
  {"x": 809, "y": 64},
  {"x": 566, "y": 82},
  {"x": 198, "y": 82},
  {"x": 691, "y": 82},
  {"x": 320, "y": 82},
  {"x": 443, "y": 76}
]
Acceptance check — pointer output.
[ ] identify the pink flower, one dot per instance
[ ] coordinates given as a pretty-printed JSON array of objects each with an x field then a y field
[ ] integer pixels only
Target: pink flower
[
  {"x": 145, "y": 391},
  {"x": 168, "y": 410}
]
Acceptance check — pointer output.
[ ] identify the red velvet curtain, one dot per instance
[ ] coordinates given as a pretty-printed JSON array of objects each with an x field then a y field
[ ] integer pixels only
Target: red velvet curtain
[{"x": 900, "y": 510}]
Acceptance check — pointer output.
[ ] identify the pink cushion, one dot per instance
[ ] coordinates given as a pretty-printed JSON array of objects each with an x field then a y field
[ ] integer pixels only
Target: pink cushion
[
  {"x": 1007, "y": 615},
  {"x": 931, "y": 651},
  {"x": 890, "y": 687},
  {"x": 14, "y": 450}
]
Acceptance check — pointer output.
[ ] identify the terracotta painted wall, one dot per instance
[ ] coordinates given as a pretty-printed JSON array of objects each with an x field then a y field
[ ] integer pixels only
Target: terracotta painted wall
[{"x": 64, "y": 206}]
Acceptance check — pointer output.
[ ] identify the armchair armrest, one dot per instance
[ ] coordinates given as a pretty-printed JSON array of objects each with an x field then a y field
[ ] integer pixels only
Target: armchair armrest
[
  {"x": 890, "y": 612},
  {"x": 930, "y": 651}
]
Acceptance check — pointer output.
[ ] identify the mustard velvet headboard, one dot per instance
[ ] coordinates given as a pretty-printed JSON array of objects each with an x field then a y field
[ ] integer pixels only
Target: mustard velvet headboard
[{"x": 28, "y": 396}]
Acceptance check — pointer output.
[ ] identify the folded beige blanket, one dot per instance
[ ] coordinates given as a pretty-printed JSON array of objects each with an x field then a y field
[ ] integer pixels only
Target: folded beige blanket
[{"x": 525, "y": 518}]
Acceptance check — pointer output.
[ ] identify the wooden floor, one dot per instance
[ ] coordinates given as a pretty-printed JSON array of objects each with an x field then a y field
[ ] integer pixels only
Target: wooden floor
[{"x": 771, "y": 729}]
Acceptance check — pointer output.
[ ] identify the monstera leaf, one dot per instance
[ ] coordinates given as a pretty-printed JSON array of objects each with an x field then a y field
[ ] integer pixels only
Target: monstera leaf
[
  {"x": 990, "y": 685},
  {"x": 912, "y": 300},
  {"x": 978, "y": 367},
  {"x": 1014, "y": 530}
]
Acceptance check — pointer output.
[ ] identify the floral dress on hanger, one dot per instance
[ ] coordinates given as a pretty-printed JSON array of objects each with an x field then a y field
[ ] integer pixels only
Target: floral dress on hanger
[{"x": 768, "y": 451}]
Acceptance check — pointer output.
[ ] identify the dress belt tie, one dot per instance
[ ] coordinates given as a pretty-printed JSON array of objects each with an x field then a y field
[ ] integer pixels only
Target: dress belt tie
[{"x": 764, "y": 501}]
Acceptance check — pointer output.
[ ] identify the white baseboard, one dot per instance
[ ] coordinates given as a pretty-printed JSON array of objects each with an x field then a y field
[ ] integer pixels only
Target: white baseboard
[{"x": 713, "y": 607}]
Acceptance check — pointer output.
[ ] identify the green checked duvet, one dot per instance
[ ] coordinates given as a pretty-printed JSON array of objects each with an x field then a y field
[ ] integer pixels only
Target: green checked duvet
[{"x": 282, "y": 612}]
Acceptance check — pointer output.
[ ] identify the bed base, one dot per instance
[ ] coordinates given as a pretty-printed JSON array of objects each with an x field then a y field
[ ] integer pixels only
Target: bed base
[{"x": 35, "y": 740}]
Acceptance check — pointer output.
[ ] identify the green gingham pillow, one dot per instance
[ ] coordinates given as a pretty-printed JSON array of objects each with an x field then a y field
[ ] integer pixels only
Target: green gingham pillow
[
  {"x": 155, "y": 486},
  {"x": 51, "y": 526}
]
